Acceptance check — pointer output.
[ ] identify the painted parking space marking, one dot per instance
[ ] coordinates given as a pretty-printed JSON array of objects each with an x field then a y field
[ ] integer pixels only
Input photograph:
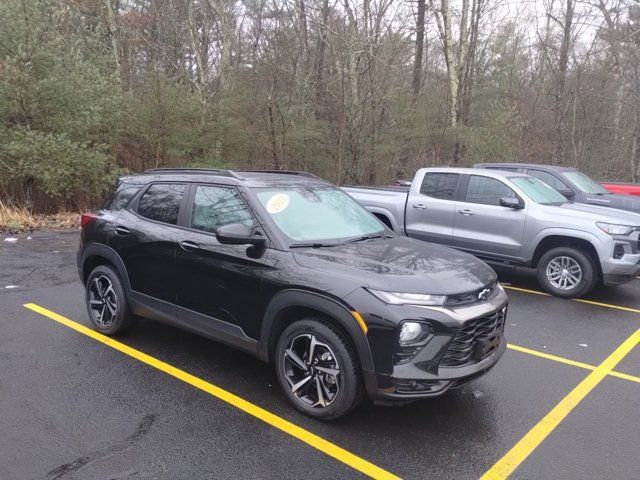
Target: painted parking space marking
[
  {"x": 580, "y": 300},
  {"x": 311, "y": 439},
  {"x": 567, "y": 361},
  {"x": 534, "y": 437}
]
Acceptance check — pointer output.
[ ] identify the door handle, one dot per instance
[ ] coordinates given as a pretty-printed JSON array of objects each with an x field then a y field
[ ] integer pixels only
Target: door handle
[
  {"x": 122, "y": 231},
  {"x": 466, "y": 212},
  {"x": 189, "y": 246},
  {"x": 419, "y": 205}
]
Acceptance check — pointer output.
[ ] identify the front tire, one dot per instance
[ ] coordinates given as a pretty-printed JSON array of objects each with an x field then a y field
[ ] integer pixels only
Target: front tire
[
  {"x": 317, "y": 369},
  {"x": 567, "y": 272},
  {"x": 107, "y": 303}
]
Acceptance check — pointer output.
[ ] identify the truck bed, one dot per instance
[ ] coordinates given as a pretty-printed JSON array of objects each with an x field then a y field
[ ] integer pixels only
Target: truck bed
[{"x": 387, "y": 203}]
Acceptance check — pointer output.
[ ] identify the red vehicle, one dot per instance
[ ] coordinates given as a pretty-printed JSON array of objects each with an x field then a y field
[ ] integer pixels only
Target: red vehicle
[{"x": 628, "y": 188}]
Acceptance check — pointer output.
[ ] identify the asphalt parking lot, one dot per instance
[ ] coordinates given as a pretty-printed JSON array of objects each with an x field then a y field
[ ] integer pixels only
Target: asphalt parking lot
[{"x": 564, "y": 401}]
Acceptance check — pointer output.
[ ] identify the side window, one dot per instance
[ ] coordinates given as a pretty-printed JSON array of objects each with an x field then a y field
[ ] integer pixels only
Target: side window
[
  {"x": 487, "y": 191},
  {"x": 548, "y": 178},
  {"x": 215, "y": 206},
  {"x": 161, "y": 202},
  {"x": 440, "y": 185},
  {"x": 123, "y": 195}
]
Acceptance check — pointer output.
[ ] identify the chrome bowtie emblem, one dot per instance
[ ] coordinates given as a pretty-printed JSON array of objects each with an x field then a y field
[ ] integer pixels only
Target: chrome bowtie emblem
[{"x": 483, "y": 294}]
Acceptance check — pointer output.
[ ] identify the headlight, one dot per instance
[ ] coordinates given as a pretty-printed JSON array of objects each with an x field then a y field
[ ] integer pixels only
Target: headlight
[
  {"x": 394, "y": 298},
  {"x": 413, "y": 332},
  {"x": 613, "y": 229}
]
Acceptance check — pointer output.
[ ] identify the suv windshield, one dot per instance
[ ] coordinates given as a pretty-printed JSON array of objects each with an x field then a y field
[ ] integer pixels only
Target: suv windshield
[
  {"x": 317, "y": 213},
  {"x": 538, "y": 191},
  {"x": 584, "y": 183}
]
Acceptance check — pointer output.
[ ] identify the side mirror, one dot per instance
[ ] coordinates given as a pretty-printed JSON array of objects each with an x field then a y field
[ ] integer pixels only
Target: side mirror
[
  {"x": 568, "y": 194},
  {"x": 511, "y": 202},
  {"x": 238, "y": 234}
]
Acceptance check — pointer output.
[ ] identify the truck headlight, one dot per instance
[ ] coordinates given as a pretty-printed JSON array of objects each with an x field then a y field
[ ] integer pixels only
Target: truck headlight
[
  {"x": 413, "y": 332},
  {"x": 613, "y": 229},
  {"x": 394, "y": 298}
]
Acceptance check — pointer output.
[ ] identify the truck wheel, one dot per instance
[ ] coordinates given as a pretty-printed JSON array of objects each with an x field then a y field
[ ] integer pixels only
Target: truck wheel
[
  {"x": 317, "y": 369},
  {"x": 106, "y": 302},
  {"x": 567, "y": 272}
]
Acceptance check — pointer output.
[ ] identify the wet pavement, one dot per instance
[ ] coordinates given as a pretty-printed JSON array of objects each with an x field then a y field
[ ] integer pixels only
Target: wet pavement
[{"x": 73, "y": 408}]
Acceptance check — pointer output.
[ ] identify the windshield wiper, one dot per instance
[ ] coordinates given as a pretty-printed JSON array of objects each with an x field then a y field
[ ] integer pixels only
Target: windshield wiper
[
  {"x": 369, "y": 237},
  {"x": 312, "y": 245}
]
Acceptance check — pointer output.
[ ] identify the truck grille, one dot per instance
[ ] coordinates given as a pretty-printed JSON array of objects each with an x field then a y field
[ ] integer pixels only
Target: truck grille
[{"x": 474, "y": 340}]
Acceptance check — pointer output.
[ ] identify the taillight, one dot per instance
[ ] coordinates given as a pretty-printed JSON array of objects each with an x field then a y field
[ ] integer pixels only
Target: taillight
[{"x": 87, "y": 218}]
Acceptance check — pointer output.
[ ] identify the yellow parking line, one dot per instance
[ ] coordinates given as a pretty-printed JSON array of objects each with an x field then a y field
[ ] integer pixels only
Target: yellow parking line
[
  {"x": 514, "y": 457},
  {"x": 280, "y": 423},
  {"x": 567, "y": 361},
  {"x": 581, "y": 300}
]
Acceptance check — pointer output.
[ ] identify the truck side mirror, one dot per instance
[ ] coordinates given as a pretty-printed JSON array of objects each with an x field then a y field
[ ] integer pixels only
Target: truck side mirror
[
  {"x": 568, "y": 194},
  {"x": 511, "y": 202}
]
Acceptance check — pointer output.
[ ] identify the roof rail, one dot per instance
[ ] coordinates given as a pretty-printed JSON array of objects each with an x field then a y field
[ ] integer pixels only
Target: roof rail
[
  {"x": 217, "y": 171},
  {"x": 283, "y": 172}
]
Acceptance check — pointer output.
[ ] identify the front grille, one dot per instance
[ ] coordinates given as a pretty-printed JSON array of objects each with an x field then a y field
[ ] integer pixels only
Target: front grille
[
  {"x": 474, "y": 340},
  {"x": 469, "y": 298}
]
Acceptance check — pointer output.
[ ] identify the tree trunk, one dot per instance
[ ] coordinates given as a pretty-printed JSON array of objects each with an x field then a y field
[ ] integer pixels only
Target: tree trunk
[
  {"x": 417, "y": 61},
  {"x": 561, "y": 78},
  {"x": 112, "y": 25}
]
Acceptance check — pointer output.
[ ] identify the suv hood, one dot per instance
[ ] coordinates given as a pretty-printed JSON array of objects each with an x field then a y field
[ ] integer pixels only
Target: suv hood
[
  {"x": 601, "y": 214},
  {"x": 630, "y": 203},
  {"x": 400, "y": 264}
]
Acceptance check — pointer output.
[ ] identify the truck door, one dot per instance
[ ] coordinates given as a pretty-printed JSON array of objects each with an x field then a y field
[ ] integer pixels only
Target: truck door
[
  {"x": 482, "y": 225},
  {"x": 431, "y": 207}
]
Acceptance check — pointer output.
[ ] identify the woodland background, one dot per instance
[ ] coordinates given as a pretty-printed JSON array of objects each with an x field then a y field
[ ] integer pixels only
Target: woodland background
[{"x": 356, "y": 91}]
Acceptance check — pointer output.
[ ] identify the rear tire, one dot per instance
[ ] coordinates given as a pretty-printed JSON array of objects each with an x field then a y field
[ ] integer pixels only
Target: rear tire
[
  {"x": 567, "y": 272},
  {"x": 107, "y": 303},
  {"x": 317, "y": 369}
]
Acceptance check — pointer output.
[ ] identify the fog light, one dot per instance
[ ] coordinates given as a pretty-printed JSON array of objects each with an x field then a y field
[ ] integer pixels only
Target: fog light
[{"x": 413, "y": 332}]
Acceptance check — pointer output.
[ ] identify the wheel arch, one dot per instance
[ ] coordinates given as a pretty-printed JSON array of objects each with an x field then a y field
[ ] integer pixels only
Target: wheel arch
[
  {"x": 290, "y": 305},
  {"x": 562, "y": 240},
  {"x": 97, "y": 254}
]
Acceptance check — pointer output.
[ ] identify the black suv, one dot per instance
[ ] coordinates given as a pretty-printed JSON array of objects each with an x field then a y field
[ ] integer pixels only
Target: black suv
[{"x": 289, "y": 268}]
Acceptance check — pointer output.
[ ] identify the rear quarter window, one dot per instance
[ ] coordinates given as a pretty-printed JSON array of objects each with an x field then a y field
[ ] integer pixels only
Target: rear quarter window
[{"x": 122, "y": 196}]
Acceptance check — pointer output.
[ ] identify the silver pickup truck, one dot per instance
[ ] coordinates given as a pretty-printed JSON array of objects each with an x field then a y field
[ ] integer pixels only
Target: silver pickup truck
[{"x": 516, "y": 220}]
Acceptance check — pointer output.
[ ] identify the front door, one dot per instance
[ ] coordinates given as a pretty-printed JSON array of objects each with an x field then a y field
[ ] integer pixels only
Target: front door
[
  {"x": 218, "y": 281},
  {"x": 482, "y": 225},
  {"x": 430, "y": 212}
]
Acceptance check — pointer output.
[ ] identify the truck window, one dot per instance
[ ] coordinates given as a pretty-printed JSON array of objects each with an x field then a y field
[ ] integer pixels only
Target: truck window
[
  {"x": 487, "y": 191},
  {"x": 548, "y": 178},
  {"x": 440, "y": 185}
]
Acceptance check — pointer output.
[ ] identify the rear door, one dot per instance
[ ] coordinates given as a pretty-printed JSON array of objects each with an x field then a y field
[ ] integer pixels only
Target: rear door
[
  {"x": 145, "y": 236},
  {"x": 430, "y": 209},
  {"x": 482, "y": 225}
]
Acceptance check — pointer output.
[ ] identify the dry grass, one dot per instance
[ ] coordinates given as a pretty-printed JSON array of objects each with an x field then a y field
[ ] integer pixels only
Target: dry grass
[{"x": 19, "y": 219}]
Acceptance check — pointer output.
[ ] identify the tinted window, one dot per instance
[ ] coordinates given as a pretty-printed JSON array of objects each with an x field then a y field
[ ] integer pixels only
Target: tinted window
[
  {"x": 123, "y": 196},
  {"x": 161, "y": 202},
  {"x": 504, "y": 169},
  {"x": 439, "y": 185},
  {"x": 487, "y": 190},
  {"x": 548, "y": 178},
  {"x": 214, "y": 207}
]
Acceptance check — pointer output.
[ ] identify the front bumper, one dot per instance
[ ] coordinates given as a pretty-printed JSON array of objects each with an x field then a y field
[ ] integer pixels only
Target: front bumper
[
  {"x": 616, "y": 271},
  {"x": 424, "y": 375}
]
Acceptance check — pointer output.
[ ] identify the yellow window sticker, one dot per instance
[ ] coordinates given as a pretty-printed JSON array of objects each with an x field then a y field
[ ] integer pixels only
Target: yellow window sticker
[{"x": 277, "y": 203}]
